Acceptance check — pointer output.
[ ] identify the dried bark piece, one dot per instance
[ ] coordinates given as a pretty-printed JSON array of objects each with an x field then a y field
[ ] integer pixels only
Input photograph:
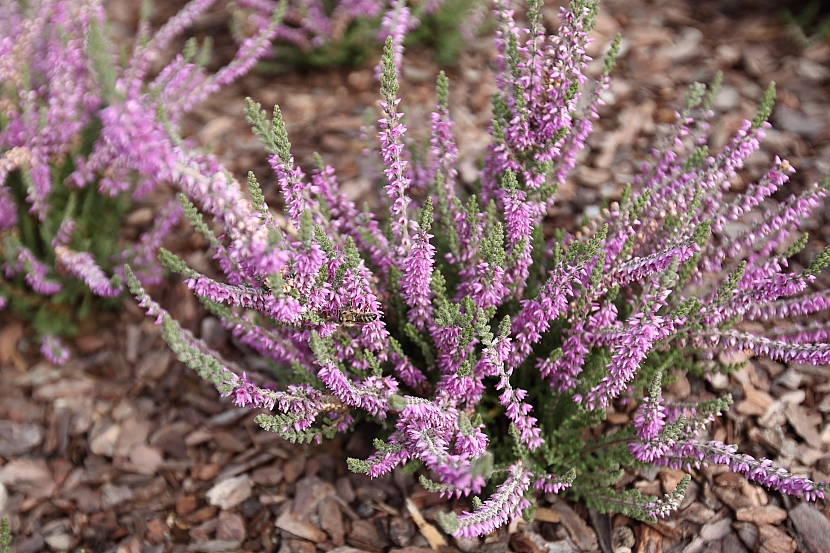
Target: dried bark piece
[
  {"x": 520, "y": 542},
  {"x": 401, "y": 531},
  {"x": 294, "y": 468},
  {"x": 145, "y": 459},
  {"x": 215, "y": 546},
  {"x": 345, "y": 489},
  {"x": 621, "y": 537},
  {"x": 185, "y": 504},
  {"x": 775, "y": 540},
  {"x": 112, "y": 495},
  {"x": 87, "y": 500},
  {"x": 267, "y": 476},
  {"x": 812, "y": 526},
  {"x": 290, "y": 523},
  {"x": 63, "y": 389},
  {"x": 546, "y": 515},
  {"x": 331, "y": 520},
  {"x": 102, "y": 437},
  {"x": 651, "y": 541},
  {"x": 230, "y": 526},
  {"x": 731, "y": 544},
  {"x": 433, "y": 536},
  {"x": 171, "y": 439},
  {"x": 799, "y": 419},
  {"x": 716, "y": 530},
  {"x": 697, "y": 513},
  {"x": 154, "y": 364},
  {"x": 31, "y": 477},
  {"x": 582, "y": 535},
  {"x": 756, "y": 402},
  {"x": 134, "y": 431},
  {"x": 298, "y": 546},
  {"x": 241, "y": 465},
  {"x": 309, "y": 492},
  {"x": 229, "y": 493},
  {"x": 732, "y": 498},
  {"x": 229, "y": 442},
  {"x": 669, "y": 478},
  {"x": 19, "y": 438},
  {"x": 769, "y": 514},
  {"x": 366, "y": 534}
]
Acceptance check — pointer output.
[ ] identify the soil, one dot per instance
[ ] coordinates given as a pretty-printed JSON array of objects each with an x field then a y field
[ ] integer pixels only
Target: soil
[{"x": 124, "y": 449}]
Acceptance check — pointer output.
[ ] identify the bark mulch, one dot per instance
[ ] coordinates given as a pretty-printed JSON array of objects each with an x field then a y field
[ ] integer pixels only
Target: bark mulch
[{"x": 124, "y": 449}]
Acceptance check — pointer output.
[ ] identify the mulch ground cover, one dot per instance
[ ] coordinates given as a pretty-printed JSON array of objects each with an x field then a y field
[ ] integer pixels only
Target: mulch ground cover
[{"x": 124, "y": 449}]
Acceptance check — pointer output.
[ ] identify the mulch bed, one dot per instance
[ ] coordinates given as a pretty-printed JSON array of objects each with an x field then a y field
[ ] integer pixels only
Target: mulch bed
[{"x": 124, "y": 449}]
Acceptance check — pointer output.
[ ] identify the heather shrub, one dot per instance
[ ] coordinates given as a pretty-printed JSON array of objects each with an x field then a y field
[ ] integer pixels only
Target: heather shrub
[
  {"x": 490, "y": 353},
  {"x": 78, "y": 146},
  {"x": 327, "y": 33}
]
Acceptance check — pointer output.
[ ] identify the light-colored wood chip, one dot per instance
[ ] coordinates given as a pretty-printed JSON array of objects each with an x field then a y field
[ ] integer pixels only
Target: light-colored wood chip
[{"x": 429, "y": 531}]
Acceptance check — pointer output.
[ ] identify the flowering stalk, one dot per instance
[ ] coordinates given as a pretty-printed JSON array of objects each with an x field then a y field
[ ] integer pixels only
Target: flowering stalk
[
  {"x": 82, "y": 136},
  {"x": 487, "y": 350}
]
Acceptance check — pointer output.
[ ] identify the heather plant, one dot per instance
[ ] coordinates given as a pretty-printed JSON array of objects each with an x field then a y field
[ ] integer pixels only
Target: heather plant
[
  {"x": 78, "y": 135},
  {"x": 326, "y": 33},
  {"x": 488, "y": 352}
]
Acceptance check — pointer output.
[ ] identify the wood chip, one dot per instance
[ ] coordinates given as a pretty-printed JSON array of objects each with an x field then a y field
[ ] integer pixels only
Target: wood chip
[
  {"x": 433, "y": 536},
  {"x": 546, "y": 515},
  {"x": 582, "y": 535},
  {"x": 716, "y": 530},
  {"x": 775, "y": 540},
  {"x": 240, "y": 467},
  {"x": 331, "y": 520},
  {"x": 800, "y": 421},
  {"x": 755, "y": 403},
  {"x": 230, "y": 526},
  {"x": 290, "y": 523},
  {"x": 812, "y": 526},
  {"x": 769, "y": 514},
  {"x": 229, "y": 493},
  {"x": 651, "y": 541}
]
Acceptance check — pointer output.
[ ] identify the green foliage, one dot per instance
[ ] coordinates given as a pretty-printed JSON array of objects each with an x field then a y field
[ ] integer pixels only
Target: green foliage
[
  {"x": 611, "y": 56},
  {"x": 764, "y": 107},
  {"x": 98, "y": 220},
  {"x": 441, "y": 32},
  {"x": 5, "y": 535},
  {"x": 808, "y": 28}
]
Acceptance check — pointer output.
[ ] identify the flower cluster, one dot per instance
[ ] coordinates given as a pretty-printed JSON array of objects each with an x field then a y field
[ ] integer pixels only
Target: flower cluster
[
  {"x": 489, "y": 350},
  {"x": 81, "y": 136}
]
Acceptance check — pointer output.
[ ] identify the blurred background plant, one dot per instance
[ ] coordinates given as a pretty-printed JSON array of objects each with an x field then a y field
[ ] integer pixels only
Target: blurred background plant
[
  {"x": 348, "y": 33},
  {"x": 810, "y": 25},
  {"x": 79, "y": 129}
]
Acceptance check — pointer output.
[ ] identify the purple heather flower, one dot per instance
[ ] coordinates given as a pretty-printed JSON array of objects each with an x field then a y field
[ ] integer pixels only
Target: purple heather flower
[
  {"x": 503, "y": 507},
  {"x": 145, "y": 251},
  {"x": 54, "y": 350},
  {"x": 391, "y": 143},
  {"x": 631, "y": 348},
  {"x": 417, "y": 275},
  {"x": 35, "y": 271},
  {"x": 82, "y": 266},
  {"x": 396, "y": 24}
]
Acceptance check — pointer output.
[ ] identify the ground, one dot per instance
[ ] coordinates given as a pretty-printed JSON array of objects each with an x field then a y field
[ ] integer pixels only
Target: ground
[{"x": 124, "y": 449}]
